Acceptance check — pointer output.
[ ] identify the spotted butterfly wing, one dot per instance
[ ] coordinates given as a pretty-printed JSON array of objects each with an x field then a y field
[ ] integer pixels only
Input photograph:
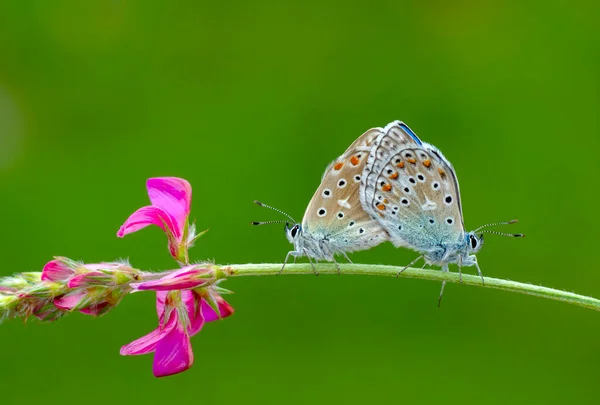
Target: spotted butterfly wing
[
  {"x": 393, "y": 138},
  {"x": 335, "y": 216},
  {"x": 411, "y": 188}
]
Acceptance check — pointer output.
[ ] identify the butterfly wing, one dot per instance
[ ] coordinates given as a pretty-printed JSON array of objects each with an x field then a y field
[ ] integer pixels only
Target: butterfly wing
[
  {"x": 335, "y": 214},
  {"x": 393, "y": 138},
  {"x": 413, "y": 191}
]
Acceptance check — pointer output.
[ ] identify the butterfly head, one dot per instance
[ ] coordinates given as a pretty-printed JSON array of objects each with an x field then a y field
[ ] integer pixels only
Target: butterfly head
[
  {"x": 293, "y": 232},
  {"x": 474, "y": 242}
]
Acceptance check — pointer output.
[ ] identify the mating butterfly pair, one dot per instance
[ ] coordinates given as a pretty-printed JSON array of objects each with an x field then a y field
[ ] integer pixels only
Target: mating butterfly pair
[{"x": 387, "y": 186}]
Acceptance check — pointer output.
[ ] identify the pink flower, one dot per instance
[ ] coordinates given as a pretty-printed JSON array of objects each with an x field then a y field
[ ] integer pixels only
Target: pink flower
[
  {"x": 181, "y": 315},
  {"x": 92, "y": 289},
  {"x": 171, "y": 198},
  {"x": 74, "y": 274}
]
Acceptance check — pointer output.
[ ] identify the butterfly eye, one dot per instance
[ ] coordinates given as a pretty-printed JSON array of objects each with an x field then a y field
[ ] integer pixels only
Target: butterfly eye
[
  {"x": 294, "y": 231},
  {"x": 473, "y": 242}
]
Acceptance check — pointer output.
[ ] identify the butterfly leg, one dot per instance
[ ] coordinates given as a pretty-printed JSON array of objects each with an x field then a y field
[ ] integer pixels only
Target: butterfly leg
[
  {"x": 347, "y": 258},
  {"x": 444, "y": 269},
  {"x": 479, "y": 270},
  {"x": 460, "y": 268},
  {"x": 408, "y": 265},
  {"x": 287, "y": 257},
  {"x": 336, "y": 264},
  {"x": 311, "y": 263},
  {"x": 328, "y": 255}
]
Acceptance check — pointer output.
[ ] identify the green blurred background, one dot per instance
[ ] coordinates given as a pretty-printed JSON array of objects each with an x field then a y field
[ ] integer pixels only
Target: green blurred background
[{"x": 251, "y": 100}]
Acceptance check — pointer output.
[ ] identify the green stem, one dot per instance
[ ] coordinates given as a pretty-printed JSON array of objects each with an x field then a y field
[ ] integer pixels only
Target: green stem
[{"x": 272, "y": 269}]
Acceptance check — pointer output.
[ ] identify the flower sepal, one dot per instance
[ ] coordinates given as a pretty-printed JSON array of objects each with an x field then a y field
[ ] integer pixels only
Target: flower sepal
[
  {"x": 220, "y": 290},
  {"x": 192, "y": 236}
]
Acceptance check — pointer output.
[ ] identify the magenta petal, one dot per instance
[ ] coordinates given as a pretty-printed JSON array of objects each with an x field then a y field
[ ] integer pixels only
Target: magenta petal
[
  {"x": 147, "y": 343},
  {"x": 69, "y": 301},
  {"x": 173, "y": 353},
  {"x": 88, "y": 279},
  {"x": 174, "y": 196},
  {"x": 103, "y": 266},
  {"x": 56, "y": 270},
  {"x": 184, "y": 278},
  {"x": 192, "y": 302},
  {"x": 209, "y": 313},
  {"x": 146, "y": 216},
  {"x": 196, "y": 318},
  {"x": 161, "y": 299},
  {"x": 95, "y": 310}
]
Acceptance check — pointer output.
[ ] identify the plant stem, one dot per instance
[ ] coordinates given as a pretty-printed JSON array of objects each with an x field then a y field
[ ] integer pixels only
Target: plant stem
[{"x": 272, "y": 269}]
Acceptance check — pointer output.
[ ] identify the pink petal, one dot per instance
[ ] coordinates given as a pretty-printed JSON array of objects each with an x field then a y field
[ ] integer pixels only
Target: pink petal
[
  {"x": 88, "y": 279},
  {"x": 194, "y": 313},
  {"x": 209, "y": 313},
  {"x": 147, "y": 216},
  {"x": 161, "y": 299},
  {"x": 147, "y": 343},
  {"x": 184, "y": 278},
  {"x": 173, "y": 353},
  {"x": 96, "y": 309},
  {"x": 103, "y": 266},
  {"x": 55, "y": 270},
  {"x": 47, "y": 312},
  {"x": 69, "y": 301},
  {"x": 172, "y": 195},
  {"x": 191, "y": 302}
]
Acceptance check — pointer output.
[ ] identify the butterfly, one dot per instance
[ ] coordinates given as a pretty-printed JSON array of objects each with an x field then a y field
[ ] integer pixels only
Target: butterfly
[
  {"x": 334, "y": 221},
  {"x": 412, "y": 190}
]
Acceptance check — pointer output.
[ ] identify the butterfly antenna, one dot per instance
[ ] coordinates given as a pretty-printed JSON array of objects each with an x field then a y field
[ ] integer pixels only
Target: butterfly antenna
[
  {"x": 274, "y": 209},
  {"x": 512, "y": 221},
  {"x": 513, "y": 235},
  {"x": 269, "y": 222}
]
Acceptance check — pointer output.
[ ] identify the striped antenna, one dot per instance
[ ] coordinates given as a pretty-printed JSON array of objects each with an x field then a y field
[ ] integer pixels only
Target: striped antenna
[
  {"x": 512, "y": 221},
  {"x": 274, "y": 209},
  {"x": 282, "y": 221},
  {"x": 514, "y": 235}
]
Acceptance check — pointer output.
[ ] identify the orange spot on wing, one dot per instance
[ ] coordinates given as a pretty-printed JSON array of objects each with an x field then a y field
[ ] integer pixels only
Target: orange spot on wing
[
  {"x": 386, "y": 187},
  {"x": 380, "y": 207},
  {"x": 385, "y": 201},
  {"x": 338, "y": 166},
  {"x": 394, "y": 176},
  {"x": 412, "y": 160},
  {"x": 427, "y": 163},
  {"x": 400, "y": 165},
  {"x": 354, "y": 160},
  {"x": 441, "y": 172}
]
